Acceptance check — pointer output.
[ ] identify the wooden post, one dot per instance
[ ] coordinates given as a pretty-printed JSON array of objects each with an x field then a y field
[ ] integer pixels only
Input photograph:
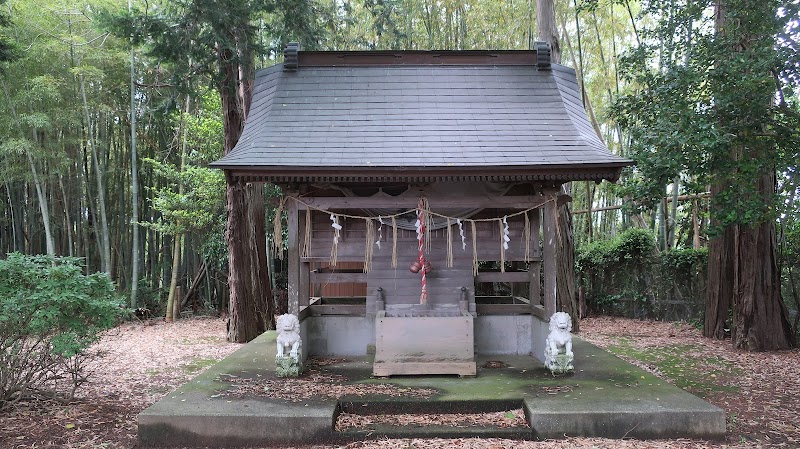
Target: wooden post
[
  {"x": 303, "y": 267},
  {"x": 549, "y": 256},
  {"x": 293, "y": 246},
  {"x": 535, "y": 268}
]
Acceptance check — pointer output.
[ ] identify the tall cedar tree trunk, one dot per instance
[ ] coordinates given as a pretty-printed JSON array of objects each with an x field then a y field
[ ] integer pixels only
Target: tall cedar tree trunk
[
  {"x": 250, "y": 307},
  {"x": 743, "y": 270},
  {"x": 565, "y": 244},
  {"x": 761, "y": 317},
  {"x": 719, "y": 289}
]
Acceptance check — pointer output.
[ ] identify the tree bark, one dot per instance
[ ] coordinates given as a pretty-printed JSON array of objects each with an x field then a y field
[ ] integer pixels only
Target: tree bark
[
  {"x": 565, "y": 263},
  {"x": 565, "y": 244},
  {"x": 761, "y": 317},
  {"x": 743, "y": 268},
  {"x": 247, "y": 287},
  {"x": 546, "y": 26},
  {"x": 719, "y": 290},
  {"x": 250, "y": 309}
]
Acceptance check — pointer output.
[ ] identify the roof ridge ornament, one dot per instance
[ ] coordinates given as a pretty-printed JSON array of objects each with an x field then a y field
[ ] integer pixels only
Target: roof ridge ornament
[
  {"x": 290, "y": 57},
  {"x": 542, "y": 55}
]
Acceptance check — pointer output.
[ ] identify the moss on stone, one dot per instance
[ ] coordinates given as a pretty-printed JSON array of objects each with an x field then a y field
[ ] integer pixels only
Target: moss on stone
[{"x": 685, "y": 365}]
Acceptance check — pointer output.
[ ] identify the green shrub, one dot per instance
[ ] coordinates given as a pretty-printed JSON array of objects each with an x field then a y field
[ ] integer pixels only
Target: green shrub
[
  {"x": 627, "y": 276},
  {"x": 615, "y": 274},
  {"x": 50, "y": 313},
  {"x": 632, "y": 247},
  {"x": 684, "y": 262}
]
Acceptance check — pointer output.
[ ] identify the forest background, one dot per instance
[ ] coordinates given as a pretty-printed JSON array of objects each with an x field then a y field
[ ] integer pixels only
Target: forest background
[{"x": 105, "y": 136}]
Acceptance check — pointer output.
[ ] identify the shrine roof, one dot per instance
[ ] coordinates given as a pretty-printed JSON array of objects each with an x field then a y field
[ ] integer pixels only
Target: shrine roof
[{"x": 418, "y": 116}]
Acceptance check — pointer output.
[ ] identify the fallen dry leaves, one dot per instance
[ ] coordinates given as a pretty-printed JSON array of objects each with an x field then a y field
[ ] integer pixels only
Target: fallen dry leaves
[
  {"x": 139, "y": 364},
  {"x": 136, "y": 364},
  {"x": 762, "y": 404},
  {"x": 506, "y": 419},
  {"x": 313, "y": 384}
]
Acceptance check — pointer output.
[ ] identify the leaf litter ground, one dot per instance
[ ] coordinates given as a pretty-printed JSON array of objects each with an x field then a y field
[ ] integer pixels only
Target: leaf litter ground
[{"x": 138, "y": 364}]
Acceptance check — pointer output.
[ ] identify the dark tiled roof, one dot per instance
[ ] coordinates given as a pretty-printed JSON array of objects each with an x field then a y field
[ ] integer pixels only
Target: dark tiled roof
[{"x": 371, "y": 122}]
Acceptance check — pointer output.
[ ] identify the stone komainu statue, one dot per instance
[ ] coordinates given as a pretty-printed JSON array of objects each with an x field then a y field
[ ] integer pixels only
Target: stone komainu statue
[
  {"x": 289, "y": 357},
  {"x": 559, "y": 339}
]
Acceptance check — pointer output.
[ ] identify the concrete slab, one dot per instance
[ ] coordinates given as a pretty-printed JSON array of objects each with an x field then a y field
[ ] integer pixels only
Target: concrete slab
[
  {"x": 605, "y": 397},
  {"x": 196, "y": 414}
]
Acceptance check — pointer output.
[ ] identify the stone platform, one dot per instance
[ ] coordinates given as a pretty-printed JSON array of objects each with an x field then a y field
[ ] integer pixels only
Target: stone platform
[{"x": 605, "y": 397}]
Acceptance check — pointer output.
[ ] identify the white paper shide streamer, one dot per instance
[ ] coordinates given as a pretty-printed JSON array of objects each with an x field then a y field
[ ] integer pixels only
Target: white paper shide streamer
[
  {"x": 506, "y": 237},
  {"x": 380, "y": 232},
  {"x": 336, "y": 226},
  {"x": 461, "y": 232},
  {"x": 335, "y": 247}
]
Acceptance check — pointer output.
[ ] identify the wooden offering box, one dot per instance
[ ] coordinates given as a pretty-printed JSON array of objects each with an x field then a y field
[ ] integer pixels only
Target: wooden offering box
[{"x": 424, "y": 343}]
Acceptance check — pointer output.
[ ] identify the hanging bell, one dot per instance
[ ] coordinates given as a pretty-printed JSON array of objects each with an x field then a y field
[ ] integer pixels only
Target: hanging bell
[
  {"x": 415, "y": 267},
  {"x": 427, "y": 267}
]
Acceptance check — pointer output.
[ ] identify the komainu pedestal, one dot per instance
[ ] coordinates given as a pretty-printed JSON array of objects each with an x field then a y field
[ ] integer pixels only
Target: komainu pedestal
[{"x": 288, "y": 366}]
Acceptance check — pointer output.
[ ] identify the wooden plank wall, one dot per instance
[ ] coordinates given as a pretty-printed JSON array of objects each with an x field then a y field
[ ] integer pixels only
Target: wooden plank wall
[
  {"x": 402, "y": 287},
  {"x": 329, "y": 287}
]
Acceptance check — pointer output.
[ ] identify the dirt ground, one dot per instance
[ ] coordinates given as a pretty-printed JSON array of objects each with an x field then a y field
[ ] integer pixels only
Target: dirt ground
[{"x": 138, "y": 364}]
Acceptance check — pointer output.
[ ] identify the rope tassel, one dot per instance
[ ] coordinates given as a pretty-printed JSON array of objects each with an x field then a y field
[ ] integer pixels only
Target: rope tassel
[
  {"x": 306, "y": 252},
  {"x": 394, "y": 242},
  {"x": 449, "y": 243},
  {"x": 368, "y": 244},
  {"x": 527, "y": 237},
  {"x": 421, "y": 222},
  {"x": 474, "y": 248}
]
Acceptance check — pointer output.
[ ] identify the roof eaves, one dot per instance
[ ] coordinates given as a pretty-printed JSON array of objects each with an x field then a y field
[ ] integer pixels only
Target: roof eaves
[{"x": 553, "y": 173}]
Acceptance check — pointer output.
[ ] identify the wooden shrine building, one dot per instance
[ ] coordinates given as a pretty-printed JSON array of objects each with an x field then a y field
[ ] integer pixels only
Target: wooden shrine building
[{"x": 395, "y": 160}]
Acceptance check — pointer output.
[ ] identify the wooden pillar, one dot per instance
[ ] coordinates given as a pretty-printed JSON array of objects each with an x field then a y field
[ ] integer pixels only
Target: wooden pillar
[
  {"x": 292, "y": 244},
  {"x": 549, "y": 256},
  {"x": 303, "y": 267},
  {"x": 535, "y": 266}
]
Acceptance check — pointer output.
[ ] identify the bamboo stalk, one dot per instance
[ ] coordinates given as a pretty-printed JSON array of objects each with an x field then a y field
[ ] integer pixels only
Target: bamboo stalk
[{"x": 619, "y": 206}]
